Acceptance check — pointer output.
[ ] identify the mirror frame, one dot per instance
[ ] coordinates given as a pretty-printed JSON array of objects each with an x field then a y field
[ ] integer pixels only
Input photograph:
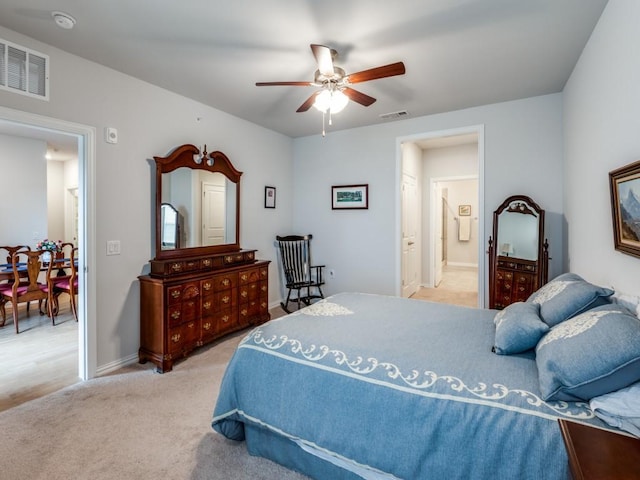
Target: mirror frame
[
  {"x": 185, "y": 156},
  {"x": 542, "y": 261},
  {"x": 531, "y": 208}
]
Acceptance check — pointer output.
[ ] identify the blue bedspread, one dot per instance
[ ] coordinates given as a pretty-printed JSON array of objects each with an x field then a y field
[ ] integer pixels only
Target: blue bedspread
[{"x": 397, "y": 388}]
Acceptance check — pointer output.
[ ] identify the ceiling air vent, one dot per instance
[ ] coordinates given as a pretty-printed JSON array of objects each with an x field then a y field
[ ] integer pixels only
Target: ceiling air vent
[
  {"x": 23, "y": 70},
  {"x": 394, "y": 115}
]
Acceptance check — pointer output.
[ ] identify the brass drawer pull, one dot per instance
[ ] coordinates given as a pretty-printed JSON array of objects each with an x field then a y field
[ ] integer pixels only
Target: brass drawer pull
[
  {"x": 175, "y": 293},
  {"x": 206, "y": 305},
  {"x": 175, "y": 315},
  {"x": 175, "y": 338}
]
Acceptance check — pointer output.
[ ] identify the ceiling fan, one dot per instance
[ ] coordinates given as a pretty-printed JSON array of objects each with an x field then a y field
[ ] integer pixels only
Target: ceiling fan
[{"x": 333, "y": 82}]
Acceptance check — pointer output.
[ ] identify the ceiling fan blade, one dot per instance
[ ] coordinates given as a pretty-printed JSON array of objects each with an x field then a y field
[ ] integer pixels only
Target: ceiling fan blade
[
  {"x": 324, "y": 58},
  {"x": 358, "y": 97},
  {"x": 390, "y": 70},
  {"x": 308, "y": 102},
  {"x": 287, "y": 84}
]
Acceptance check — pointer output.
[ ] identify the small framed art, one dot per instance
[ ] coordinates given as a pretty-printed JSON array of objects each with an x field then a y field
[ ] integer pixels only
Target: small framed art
[
  {"x": 344, "y": 197},
  {"x": 625, "y": 208},
  {"x": 269, "y": 197},
  {"x": 464, "y": 210}
]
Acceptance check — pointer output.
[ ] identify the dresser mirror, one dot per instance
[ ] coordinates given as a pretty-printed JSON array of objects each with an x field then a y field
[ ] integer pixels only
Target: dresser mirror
[
  {"x": 197, "y": 203},
  {"x": 518, "y": 255}
]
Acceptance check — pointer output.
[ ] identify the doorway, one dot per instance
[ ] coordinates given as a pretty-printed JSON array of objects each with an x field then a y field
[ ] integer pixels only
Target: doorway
[
  {"x": 83, "y": 204},
  {"x": 450, "y": 216}
]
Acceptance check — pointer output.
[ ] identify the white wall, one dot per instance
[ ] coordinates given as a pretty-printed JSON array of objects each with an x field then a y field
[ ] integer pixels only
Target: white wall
[
  {"x": 523, "y": 154},
  {"x": 601, "y": 107},
  {"x": 23, "y": 191},
  {"x": 152, "y": 121},
  {"x": 55, "y": 200}
]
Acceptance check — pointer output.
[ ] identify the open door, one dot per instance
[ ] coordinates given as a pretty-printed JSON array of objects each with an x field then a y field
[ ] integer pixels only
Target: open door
[
  {"x": 410, "y": 264},
  {"x": 441, "y": 233}
]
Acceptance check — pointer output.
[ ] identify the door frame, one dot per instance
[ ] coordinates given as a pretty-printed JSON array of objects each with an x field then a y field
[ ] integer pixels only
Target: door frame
[
  {"x": 482, "y": 268},
  {"x": 86, "y": 135}
]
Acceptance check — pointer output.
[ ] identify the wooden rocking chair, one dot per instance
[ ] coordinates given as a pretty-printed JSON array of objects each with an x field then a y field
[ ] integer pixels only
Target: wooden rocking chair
[{"x": 300, "y": 275}]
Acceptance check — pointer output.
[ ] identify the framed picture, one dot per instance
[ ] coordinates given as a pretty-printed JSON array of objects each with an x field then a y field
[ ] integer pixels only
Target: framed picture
[
  {"x": 269, "y": 197},
  {"x": 464, "y": 210},
  {"x": 349, "y": 197},
  {"x": 625, "y": 208}
]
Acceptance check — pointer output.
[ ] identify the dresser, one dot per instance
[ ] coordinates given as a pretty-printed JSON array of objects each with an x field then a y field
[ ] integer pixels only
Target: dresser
[
  {"x": 518, "y": 252},
  {"x": 515, "y": 280},
  {"x": 190, "y": 302}
]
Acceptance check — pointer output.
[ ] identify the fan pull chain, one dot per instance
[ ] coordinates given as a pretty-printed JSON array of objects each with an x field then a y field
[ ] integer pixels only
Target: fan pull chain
[{"x": 323, "y": 132}]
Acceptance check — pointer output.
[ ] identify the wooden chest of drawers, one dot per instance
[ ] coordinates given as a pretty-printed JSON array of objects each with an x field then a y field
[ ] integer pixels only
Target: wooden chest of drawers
[
  {"x": 193, "y": 307},
  {"x": 516, "y": 279}
]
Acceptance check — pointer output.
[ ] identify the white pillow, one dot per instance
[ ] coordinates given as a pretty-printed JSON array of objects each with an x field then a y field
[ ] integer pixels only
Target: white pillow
[{"x": 620, "y": 409}]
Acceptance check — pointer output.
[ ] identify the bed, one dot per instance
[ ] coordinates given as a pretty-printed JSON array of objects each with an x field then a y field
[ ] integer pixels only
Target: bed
[{"x": 377, "y": 387}]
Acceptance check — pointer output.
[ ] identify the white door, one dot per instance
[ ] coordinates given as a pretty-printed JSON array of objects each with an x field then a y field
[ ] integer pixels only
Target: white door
[
  {"x": 213, "y": 214},
  {"x": 410, "y": 265},
  {"x": 440, "y": 234}
]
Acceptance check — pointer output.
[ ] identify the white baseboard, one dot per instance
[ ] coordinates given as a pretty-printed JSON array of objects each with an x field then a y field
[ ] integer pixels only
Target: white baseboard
[
  {"x": 462, "y": 264},
  {"x": 115, "y": 365}
]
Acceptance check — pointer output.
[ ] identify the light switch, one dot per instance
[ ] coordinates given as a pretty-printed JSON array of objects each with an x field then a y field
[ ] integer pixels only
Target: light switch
[{"x": 113, "y": 247}]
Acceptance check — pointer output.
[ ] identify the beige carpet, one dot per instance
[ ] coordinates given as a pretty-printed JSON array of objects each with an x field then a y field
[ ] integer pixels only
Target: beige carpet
[{"x": 136, "y": 424}]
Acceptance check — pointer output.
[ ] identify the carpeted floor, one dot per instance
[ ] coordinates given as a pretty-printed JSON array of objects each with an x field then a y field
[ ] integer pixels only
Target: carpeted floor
[{"x": 135, "y": 424}]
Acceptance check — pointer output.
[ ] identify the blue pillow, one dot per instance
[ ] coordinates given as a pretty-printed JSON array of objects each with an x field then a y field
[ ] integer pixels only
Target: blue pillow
[
  {"x": 566, "y": 296},
  {"x": 594, "y": 353},
  {"x": 518, "y": 328}
]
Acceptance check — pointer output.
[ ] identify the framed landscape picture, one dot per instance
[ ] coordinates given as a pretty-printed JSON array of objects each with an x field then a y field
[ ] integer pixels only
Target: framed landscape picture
[
  {"x": 625, "y": 208},
  {"x": 349, "y": 197}
]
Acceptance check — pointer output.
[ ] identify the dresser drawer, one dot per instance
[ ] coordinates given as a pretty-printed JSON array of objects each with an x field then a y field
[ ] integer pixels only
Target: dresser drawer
[
  {"x": 183, "y": 337},
  {"x": 185, "y": 291},
  {"x": 183, "y": 312},
  {"x": 249, "y": 292},
  {"x": 249, "y": 276}
]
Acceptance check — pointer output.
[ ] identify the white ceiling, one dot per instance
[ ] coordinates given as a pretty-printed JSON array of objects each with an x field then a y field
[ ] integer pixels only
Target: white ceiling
[{"x": 458, "y": 53}]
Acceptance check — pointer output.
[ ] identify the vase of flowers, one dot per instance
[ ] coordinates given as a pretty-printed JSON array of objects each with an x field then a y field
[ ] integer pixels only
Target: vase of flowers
[{"x": 50, "y": 246}]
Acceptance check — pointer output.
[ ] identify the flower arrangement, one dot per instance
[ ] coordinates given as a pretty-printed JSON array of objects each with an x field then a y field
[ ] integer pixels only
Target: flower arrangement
[{"x": 50, "y": 245}]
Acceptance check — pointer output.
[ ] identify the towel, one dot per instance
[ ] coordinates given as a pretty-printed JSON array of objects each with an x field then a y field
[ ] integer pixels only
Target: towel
[{"x": 464, "y": 229}]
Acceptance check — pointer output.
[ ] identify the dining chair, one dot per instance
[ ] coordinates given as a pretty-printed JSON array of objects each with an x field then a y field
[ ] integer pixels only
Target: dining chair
[
  {"x": 62, "y": 277},
  {"x": 6, "y": 273},
  {"x": 25, "y": 290}
]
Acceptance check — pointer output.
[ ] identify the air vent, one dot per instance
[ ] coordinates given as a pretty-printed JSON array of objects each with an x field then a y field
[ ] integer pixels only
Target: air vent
[
  {"x": 23, "y": 70},
  {"x": 393, "y": 115}
]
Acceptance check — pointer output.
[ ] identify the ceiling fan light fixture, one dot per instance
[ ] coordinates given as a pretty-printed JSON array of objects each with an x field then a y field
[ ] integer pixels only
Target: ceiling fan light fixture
[{"x": 333, "y": 101}]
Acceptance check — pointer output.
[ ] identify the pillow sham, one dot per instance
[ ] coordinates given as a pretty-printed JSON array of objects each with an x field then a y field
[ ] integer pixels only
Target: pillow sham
[
  {"x": 620, "y": 409},
  {"x": 518, "y": 328},
  {"x": 566, "y": 296},
  {"x": 594, "y": 353}
]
